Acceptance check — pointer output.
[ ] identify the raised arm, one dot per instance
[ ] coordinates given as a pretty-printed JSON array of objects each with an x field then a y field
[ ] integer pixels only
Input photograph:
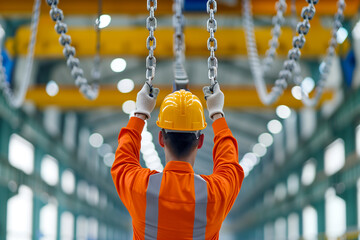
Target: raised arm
[
  {"x": 227, "y": 175},
  {"x": 126, "y": 170}
]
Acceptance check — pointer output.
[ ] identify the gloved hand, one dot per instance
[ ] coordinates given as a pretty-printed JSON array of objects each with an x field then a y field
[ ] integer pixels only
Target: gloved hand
[
  {"x": 146, "y": 100},
  {"x": 214, "y": 100}
]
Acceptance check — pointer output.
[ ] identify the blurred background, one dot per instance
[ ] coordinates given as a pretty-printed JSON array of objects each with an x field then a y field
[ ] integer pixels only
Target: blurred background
[{"x": 302, "y": 163}]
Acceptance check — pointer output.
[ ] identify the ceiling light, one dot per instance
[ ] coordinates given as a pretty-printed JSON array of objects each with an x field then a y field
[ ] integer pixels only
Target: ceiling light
[
  {"x": 251, "y": 158},
  {"x": 308, "y": 85},
  {"x": 129, "y": 106},
  {"x": 118, "y": 65},
  {"x": 125, "y": 85},
  {"x": 96, "y": 140},
  {"x": 259, "y": 150},
  {"x": 356, "y": 31},
  {"x": 52, "y": 88},
  {"x": 109, "y": 159},
  {"x": 104, "y": 21},
  {"x": 104, "y": 149},
  {"x": 146, "y": 136},
  {"x": 274, "y": 126},
  {"x": 266, "y": 139},
  {"x": 283, "y": 111},
  {"x": 296, "y": 92},
  {"x": 341, "y": 35}
]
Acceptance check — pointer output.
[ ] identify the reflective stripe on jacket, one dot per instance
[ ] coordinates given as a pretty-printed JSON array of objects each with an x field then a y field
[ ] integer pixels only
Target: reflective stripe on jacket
[{"x": 177, "y": 204}]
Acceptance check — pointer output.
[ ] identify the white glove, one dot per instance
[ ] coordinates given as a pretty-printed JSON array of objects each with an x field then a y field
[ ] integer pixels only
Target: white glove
[
  {"x": 214, "y": 100},
  {"x": 146, "y": 100}
]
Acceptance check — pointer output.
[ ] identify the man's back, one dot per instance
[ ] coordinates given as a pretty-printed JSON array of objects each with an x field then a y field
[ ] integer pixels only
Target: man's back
[{"x": 177, "y": 204}]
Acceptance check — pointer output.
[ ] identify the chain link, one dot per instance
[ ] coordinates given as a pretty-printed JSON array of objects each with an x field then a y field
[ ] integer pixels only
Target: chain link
[
  {"x": 89, "y": 91},
  {"x": 16, "y": 100},
  {"x": 278, "y": 20},
  {"x": 324, "y": 68},
  {"x": 294, "y": 54},
  {"x": 211, "y": 8},
  {"x": 179, "y": 22},
  {"x": 151, "y": 25}
]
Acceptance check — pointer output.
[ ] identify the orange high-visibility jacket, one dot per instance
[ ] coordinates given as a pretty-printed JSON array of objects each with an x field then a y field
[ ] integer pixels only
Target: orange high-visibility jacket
[{"x": 177, "y": 203}]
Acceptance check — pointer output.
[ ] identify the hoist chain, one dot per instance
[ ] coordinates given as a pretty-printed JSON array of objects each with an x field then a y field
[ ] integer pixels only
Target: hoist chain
[
  {"x": 278, "y": 20},
  {"x": 181, "y": 80},
  {"x": 211, "y": 8},
  {"x": 285, "y": 74},
  {"x": 326, "y": 63},
  {"x": 89, "y": 91},
  {"x": 151, "y": 25},
  {"x": 95, "y": 71},
  {"x": 179, "y": 22},
  {"x": 16, "y": 100}
]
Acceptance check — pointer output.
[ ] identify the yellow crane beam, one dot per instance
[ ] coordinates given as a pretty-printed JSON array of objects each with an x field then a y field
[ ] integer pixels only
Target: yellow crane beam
[
  {"x": 130, "y": 41},
  {"x": 236, "y": 97},
  {"x": 133, "y": 7}
]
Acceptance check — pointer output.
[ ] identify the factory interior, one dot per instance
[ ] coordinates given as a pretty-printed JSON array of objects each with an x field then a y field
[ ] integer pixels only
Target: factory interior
[{"x": 70, "y": 71}]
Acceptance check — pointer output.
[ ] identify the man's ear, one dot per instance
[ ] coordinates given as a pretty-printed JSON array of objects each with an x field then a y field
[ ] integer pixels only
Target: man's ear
[
  {"x": 161, "y": 139},
  {"x": 201, "y": 141}
]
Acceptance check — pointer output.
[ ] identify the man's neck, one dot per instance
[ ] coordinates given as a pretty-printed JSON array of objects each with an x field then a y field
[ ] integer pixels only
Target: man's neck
[{"x": 190, "y": 158}]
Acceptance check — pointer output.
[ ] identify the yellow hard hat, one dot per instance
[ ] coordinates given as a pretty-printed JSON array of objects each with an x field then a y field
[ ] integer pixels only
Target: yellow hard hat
[{"x": 181, "y": 111}]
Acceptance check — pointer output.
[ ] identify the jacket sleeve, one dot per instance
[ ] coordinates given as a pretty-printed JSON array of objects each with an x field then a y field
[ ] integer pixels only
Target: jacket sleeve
[
  {"x": 228, "y": 175},
  {"x": 126, "y": 170}
]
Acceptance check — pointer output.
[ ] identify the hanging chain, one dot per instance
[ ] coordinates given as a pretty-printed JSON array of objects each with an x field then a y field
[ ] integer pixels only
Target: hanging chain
[
  {"x": 89, "y": 91},
  {"x": 278, "y": 20},
  {"x": 181, "y": 80},
  {"x": 151, "y": 25},
  {"x": 95, "y": 72},
  {"x": 326, "y": 63},
  {"x": 211, "y": 8},
  {"x": 17, "y": 100},
  {"x": 179, "y": 22},
  {"x": 285, "y": 74}
]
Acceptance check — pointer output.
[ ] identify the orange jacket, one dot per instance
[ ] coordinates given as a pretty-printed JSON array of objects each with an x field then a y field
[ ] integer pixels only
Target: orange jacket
[{"x": 177, "y": 204}]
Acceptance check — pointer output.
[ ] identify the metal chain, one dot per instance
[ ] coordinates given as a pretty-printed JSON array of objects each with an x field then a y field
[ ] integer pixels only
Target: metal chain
[
  {"x": 17, "y": 100},
  {"x": 151, "y": 25},
  {"x": 181, "y": 80},
  {"x": 179, "y": 22},
  {"x": 95, "y": 72},
  {"x": 89, "y": 91},
  {"x": 285, "y": 74},
  {"x": 211, "y": 8},
  {"x": 278, "y": 20},
  {"x": 326, "y": 63}
]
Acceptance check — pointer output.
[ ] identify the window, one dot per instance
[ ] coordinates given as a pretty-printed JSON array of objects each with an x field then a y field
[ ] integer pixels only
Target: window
[
  {"x": 68, "y": 181},
  {"x": 67, "y": 226},
  {"x": 19, "y": 215},
  {"x": 48, "y": 222},
  {"x": 293, "y": 184},
  {"x": 81, "y": 228},
  {"x": 280, "y": 191},
  {"x": 102, "y": 232},
  {"x": 309, "y": 221},
  {"x": 357, "y": 136},
  {"x": 50, "y": 170},
  {"x": 269, "y": 231},
  {"x": 308, "y": 173},
  {"x": 335, "y": 220},
  {"x": 93, "y": 195},
  {"x": 92, "y": 229},
  {"x": 21, "y": 154},
  {"x": 82, "y": 190},
  {"x": 280, "y": 229},
  {"x": 334, "y": 158},
  {"x": 293, "y": 227}
]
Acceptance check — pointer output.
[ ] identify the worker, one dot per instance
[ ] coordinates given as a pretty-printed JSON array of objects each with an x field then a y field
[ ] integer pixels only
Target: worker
[{"x": 177, "y": 203}]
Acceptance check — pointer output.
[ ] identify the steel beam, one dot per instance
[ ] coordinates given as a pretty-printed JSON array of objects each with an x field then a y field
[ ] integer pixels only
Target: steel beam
[
  {"x": 236, "y": 97},
  {"x": 134, "y": 7},
  {"x": 130, "y": 41}
]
